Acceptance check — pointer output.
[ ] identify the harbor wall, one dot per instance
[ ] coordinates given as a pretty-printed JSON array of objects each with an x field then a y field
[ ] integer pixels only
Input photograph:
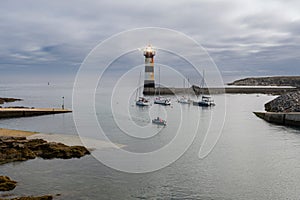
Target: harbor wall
[
  {"x": 28, "y": 112},
  {"x": 219, "y": 90},
  {"x": 290, "y": 119}
]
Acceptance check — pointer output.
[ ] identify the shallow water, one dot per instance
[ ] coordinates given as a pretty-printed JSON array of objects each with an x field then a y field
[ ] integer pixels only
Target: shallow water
[{"x": 252, "y": 159}]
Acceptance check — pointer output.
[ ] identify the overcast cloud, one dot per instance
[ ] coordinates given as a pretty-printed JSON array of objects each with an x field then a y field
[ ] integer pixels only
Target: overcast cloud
[{"x": 244, "y": 38}]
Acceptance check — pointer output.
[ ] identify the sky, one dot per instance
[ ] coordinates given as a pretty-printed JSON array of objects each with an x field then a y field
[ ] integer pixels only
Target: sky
[{"x": 244, "y": 37}]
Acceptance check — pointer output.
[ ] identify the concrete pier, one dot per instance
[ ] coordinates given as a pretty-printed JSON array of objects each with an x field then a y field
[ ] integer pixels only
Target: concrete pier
[
  {"x": 28, "y": 112},
  {"x": 289, "y": 119},
  {"x": 220, "y": 90}
]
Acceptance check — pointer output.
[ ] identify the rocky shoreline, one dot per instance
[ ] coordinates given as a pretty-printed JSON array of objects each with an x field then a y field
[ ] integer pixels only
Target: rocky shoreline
[
  {"x": 6, "y": 184},
  {"x": 21, "y": 149},
  {"x": 14, "y": 149}
]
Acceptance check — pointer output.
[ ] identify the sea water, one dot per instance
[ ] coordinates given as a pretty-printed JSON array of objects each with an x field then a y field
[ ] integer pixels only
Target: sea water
[{"x": 252, "y": 159}]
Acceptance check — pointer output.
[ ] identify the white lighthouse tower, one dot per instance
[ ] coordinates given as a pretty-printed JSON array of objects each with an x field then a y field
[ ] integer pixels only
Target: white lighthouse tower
[{"x": 149, "y": 84}]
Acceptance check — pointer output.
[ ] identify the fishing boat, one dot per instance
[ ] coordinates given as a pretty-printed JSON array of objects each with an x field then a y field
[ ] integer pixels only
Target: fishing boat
[{"x": 159, "y": 121}]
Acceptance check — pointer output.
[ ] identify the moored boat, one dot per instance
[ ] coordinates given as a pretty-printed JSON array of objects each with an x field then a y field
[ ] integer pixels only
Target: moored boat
[
  {"x": 162, "y": 101},
  {"x": 206, "y": 101},
  {"x": 142, "y": 101},
  {"x": 159, "y": 121},
  {"x": 184, "y": 100}
]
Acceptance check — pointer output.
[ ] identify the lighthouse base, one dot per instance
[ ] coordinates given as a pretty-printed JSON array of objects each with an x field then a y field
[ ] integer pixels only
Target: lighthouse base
[{"x": 158, "y": 91}]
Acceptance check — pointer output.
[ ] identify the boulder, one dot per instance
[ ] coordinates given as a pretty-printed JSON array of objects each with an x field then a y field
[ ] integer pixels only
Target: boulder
[{"x": 6, "y": 184}]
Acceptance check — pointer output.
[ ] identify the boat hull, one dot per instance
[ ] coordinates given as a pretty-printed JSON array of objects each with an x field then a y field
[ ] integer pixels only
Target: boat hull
[
  {"x": 162, "y": 103},
  {"x": 205, "y": 104},
  {"x": 161, "y": 123},
  {"x": 142, "y": 103}
]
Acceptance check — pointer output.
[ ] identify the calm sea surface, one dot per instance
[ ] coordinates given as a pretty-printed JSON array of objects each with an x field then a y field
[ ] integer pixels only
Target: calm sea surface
[{"x": 252, "y": 159}]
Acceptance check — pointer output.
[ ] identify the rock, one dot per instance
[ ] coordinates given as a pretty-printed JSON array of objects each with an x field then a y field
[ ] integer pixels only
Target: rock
[
  {"x": 6, "y": 184},
  {"x": 289, "y": 102},
  {"x": 59, "y": 150},
  {"x": 21, "y": 149}
]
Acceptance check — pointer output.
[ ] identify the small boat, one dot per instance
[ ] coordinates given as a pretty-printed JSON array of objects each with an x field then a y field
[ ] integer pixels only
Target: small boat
[
  {"x": 206, "y": 101},
  {"x": 162, "y": 101},
  {"x": 142, "y": 101},
  {"x": 159, "y": 121},
  {"x": 184, "y": 100}
]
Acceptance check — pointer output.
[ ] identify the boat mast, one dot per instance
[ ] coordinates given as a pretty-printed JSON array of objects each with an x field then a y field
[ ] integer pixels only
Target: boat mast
[
  {"x": 159, "y": 81},
  {"x": 138, "y": 88},
  {"x": 202, "y": 82},
  {"x": 187, "y": 89}
]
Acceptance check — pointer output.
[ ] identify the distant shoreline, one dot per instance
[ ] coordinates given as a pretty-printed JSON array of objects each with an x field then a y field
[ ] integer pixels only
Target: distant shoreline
[
  {"x": 293, "y": 81},
  {"x": 8, "y": 100}
]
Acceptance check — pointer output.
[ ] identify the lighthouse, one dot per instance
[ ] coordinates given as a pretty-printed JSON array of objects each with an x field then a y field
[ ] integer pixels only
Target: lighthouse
[{"x": 149, "y": 84}]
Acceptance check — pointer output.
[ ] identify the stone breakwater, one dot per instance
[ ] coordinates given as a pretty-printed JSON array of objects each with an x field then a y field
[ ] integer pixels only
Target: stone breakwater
[
  {"x": 289, "y": 102},
  {"x": 284, "y": 110},
  {"x": 29, "y": 112},
  {"x": 281, "y": 118},
  {"x": 196, "y": 90},
  {"x": 21, "y": 149}
]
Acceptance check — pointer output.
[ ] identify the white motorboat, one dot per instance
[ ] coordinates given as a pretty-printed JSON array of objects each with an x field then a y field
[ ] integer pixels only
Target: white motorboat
[
  {"x": 206, "y": 101},
  {"x": 142, "y": 101},
  {"x": 162, "y": 101}
]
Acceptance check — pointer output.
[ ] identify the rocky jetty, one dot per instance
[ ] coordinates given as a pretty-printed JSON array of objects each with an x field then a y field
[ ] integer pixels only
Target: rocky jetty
[
  {"x": 21, "y": 149},
  {"x": 289, "y": 102},
  {"x": 7, "y": 100},
  {"x": 269, "y": 81}
]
